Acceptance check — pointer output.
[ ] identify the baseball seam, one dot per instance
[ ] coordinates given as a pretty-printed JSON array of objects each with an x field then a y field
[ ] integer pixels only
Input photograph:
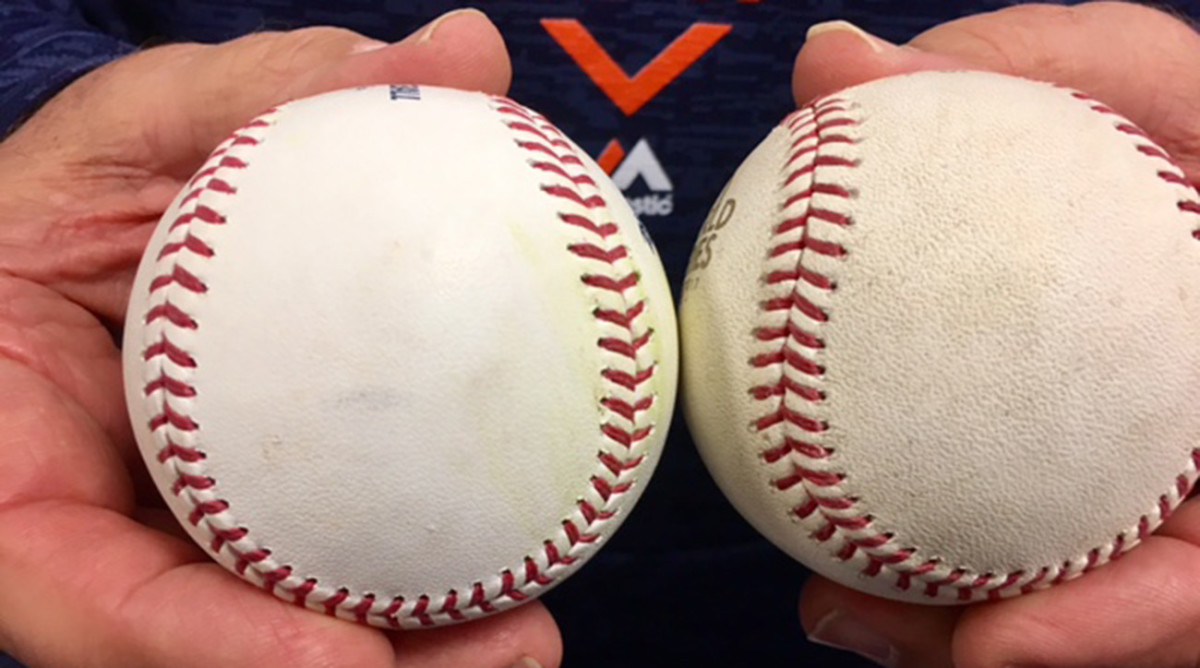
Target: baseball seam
[
  {"x": 1173, "y": 174},
  {"x": 800, "y": 463},
  {"x": 625, "y": 342}
]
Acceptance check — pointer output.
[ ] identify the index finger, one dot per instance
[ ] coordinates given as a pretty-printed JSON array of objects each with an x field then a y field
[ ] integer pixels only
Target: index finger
[{"x": 1138, "y": 60}]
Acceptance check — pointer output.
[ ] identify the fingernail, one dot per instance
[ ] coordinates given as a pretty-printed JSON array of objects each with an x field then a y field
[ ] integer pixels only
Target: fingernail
[
  {"x": 426, "y": 33},
  {"x": 526, "y": 662},
  {"x": 845, "y": 27},
  {"x": 840, "y": 631}
]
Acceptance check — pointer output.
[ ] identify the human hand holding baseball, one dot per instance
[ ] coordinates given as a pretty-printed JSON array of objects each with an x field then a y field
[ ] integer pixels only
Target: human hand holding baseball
[
  {"x": 1141, "y": 610},
  {"x": 99, "y": 573}
]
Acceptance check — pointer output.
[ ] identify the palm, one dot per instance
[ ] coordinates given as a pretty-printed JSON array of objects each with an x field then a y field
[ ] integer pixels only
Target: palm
[
  {"x": 1140, "y": 610},
  {"x": 71, "y": 520},
  {"x": 84, "y": 540}
]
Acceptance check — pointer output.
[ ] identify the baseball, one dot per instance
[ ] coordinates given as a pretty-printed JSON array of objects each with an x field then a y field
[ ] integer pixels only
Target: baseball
[
  {"x": 941, "y": 336},
  {"x": 401, "y": 355}
]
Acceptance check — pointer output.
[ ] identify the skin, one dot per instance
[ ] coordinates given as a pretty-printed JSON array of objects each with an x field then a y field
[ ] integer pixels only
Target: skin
[
  {"x": 89, "y": 174},
  {"x": 1143, "y": 610},
  {"x": 85, "y": 180}
]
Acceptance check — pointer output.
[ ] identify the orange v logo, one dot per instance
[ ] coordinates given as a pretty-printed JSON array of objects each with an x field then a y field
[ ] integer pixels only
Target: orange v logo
[{"x": 632, "y": 93}]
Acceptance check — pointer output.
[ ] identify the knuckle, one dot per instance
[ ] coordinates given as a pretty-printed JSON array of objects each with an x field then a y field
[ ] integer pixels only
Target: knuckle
[
  {"x": 284, "y": 54},
  {"x": 1030, "y": 38},
  {"x": 325, "y": 40},
  {"x": 979, "y": 41}
]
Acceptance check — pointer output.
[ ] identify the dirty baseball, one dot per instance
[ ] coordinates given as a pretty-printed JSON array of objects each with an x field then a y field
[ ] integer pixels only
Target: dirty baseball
[
  {"x": 940, "y": 336},
  {"x": 401, "y": 355}
]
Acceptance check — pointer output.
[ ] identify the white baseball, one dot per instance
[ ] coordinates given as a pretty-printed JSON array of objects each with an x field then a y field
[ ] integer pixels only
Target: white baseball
[
  {"x": 401, "y": 355},
  {"x": 941, "y": 336}
]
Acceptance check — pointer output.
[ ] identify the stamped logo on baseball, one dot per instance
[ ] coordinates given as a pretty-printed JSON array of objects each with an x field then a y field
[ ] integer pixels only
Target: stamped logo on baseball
[
  {"x": 947, "y": 350},
  {"x": 401, "y": 355}
]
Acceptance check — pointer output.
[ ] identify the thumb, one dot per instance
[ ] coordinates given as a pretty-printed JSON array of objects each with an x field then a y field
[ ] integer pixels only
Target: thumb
[
  {"x": 171, "y": 105},
  {"x": 103, "y": 158},
  {"x": 460, "y": 49},
  {"x": 1142, "y": 62}
]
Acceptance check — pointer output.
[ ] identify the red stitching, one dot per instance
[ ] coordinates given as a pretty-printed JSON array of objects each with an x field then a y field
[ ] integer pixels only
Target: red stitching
[
  {"x": 190, "y": 243},
  {"x": 798, "y": 302},
  {"x": 578, "y": 179},
  {"x": 172, "y": 386},
  {"x": 820, "y": 161},
  {"x": 626, "y": 404},
  {"x": 624, "y": 318},
  {"x": 1174, "y": 175},
  {"x": 185, "y": 481},
  {"x": 795, "y": 418},
  {"x": 173, "y": 450},
  {"x": 811, "y": 213},
  {"x": 785, "y": 386},
  {"x": 177, "y": 355},
  {"x": 806, "y": 448},
  {"x": 594, "y": 252},
  {"x": 627, "y": 380},
  {"x": 791, "y": 358},
  {"x": 390, "y": 613},
  {"x": 625, "y": 409},
  {"x": 172, "y": 418},
  {"x": 818, "y": 189},
  {"x": 276, "y": 576},
  {"x": 550, "y": 153},
  {"x": 603, "y": 231},
  {"x": 618, "y": 285},
  {"x": 181, "y": 277},
  {"x": 820, "y": 487},
  {"x": 200, "y": 510},
  {"x": 201, "y": 213},
  {"x": 227, "y": 536},
  {"x": 226, "y": 162},
  {"x": 172, "y": 313},
  {"x": 624, "y": 348},
  {"x": 207, "y": 188},
  {"x": 569, "y": 193}
]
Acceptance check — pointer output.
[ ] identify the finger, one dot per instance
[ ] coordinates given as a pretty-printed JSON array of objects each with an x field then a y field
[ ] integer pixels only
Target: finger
[
  {"x": 890, "y": 633},
  {"x": 101, "y": 161},
  {"x": 86, "y": 586},
  {"x": 525, "y": 637},
  {"x": 64, "y": 432},
  {"x": 51, "y": 448},
  {"x": 1142, "y": 62},
  {"x": 60, "y": 341},
  {"x": 185, "y": 98},
  {"x": 462, "y": 49},
  {"x": 81, "y": 584},
  {"x": 1138, "y": 612},
  {"x": 838, "y": 54},
  {"x": 240, "y": 79},
  {"x": 1184, "y": 523}
]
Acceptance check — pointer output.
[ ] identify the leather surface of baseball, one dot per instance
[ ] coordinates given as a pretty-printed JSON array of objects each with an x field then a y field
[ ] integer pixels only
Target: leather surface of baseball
[
  {"x": 941, "y": 336},
  {"x": 401, "y": 355}
]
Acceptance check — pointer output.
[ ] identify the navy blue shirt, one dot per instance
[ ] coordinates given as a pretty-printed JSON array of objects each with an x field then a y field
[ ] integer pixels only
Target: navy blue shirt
[{"x": 686, "y": 581}]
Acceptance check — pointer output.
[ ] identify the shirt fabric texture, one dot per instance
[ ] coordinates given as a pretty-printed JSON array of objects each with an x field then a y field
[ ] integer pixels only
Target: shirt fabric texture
[{"x": 685, "y": 582}]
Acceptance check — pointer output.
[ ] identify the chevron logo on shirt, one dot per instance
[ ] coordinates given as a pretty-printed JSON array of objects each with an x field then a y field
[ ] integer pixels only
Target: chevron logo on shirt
[
  {"x": 640, "y": 165},
  {"x": 654, "y": 197}
]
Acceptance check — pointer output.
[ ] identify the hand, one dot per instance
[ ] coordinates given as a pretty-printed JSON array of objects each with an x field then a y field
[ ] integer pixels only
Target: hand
[
  {"x": 92, "y": 571},
  {"x": 1143, "y": 610}
]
